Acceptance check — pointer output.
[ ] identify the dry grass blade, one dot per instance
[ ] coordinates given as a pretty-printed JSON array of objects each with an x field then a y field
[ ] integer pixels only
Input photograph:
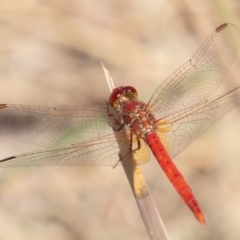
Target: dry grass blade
[{"x": 151, "y": 218}]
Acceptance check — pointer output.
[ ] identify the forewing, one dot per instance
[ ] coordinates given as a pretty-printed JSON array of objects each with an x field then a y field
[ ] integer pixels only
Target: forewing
[
  {"x": 54, "y": 127},
  {"x": 178, "y": 130},
  {"x": 201, "y": 75}
]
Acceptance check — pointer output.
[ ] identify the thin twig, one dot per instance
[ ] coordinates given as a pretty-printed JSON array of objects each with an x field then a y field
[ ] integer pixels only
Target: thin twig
[{"x": 153, "y": 222}]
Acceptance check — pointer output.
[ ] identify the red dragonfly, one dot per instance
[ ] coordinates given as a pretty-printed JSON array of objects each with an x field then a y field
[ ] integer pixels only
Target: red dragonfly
[{"x": 176, "y": 114}]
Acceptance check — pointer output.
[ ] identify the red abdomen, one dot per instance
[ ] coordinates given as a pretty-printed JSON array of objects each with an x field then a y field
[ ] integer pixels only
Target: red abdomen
[{"x": 174, "y": 175}]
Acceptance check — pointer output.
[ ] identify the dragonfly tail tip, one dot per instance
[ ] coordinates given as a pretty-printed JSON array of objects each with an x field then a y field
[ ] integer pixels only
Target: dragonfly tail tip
[{"x": 201, "y": 219}]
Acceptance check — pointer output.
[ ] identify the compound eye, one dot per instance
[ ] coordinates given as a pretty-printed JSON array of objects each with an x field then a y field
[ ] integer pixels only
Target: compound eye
[
  {"x": 116, "y": 93},
  {"x": 126, "y": 92},
  {"x": 131, "y": 93}
]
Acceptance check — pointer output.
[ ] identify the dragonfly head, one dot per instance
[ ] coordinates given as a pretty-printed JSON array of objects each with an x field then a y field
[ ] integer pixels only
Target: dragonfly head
[{"x": 122, "y": 94}]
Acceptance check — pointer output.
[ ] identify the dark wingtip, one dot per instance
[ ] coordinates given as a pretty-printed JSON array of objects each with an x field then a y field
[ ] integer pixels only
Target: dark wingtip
[
  {"x": 220, "y": 28},
  {"x": 3, "y": 106},
  {"x": 6, "y": 159}
]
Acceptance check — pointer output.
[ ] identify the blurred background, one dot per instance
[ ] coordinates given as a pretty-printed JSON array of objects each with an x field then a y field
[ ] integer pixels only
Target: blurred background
[{"x": 50, "y": 54}]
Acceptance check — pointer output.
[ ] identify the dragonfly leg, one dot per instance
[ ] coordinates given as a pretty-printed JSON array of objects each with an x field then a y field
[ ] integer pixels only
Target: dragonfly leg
[
  {"x": 131, "y": 144},
  {"x": 120, "y": 159},
  {"x": 131, "y": 150},
  {"x": 117, "y": 129}
]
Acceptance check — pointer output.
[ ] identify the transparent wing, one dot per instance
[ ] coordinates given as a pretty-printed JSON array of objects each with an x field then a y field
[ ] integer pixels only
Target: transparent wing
[
  {"x": 53, "y": 127},
  {"x": 77, "y": 136},
  {"x": 100, "y": 153},
  {"x": 178, "y": 130},
  {"x": 201, "y": 75}
]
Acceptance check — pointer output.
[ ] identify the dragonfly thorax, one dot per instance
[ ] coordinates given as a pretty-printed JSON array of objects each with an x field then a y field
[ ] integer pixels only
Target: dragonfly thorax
[{"x": 139, "y": 118}]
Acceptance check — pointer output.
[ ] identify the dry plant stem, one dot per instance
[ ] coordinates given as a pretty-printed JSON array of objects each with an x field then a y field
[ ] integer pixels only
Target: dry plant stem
[{"x": 153, "y": 222}]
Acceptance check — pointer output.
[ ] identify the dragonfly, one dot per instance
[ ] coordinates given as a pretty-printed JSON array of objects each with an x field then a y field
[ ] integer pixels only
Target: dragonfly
[{"x": 178, "y": 112}]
